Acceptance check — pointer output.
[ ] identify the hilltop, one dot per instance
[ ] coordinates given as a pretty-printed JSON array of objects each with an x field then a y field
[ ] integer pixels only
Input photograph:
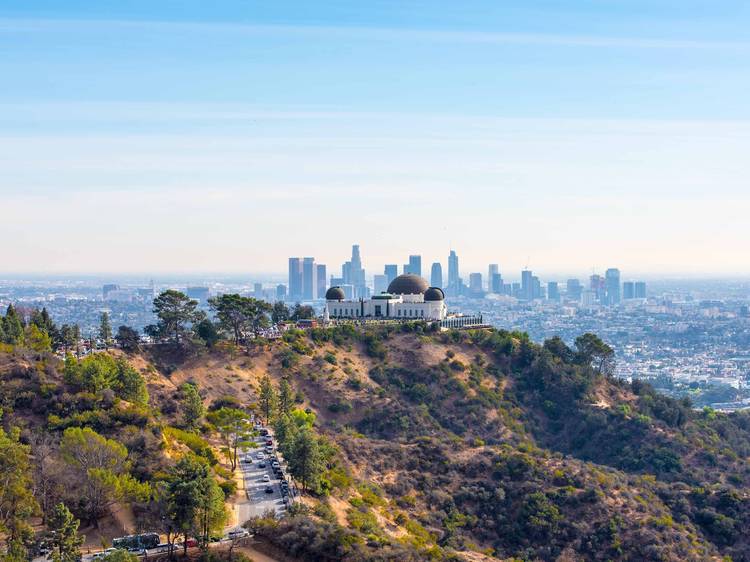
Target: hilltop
[{"x": 467, "y": 445}]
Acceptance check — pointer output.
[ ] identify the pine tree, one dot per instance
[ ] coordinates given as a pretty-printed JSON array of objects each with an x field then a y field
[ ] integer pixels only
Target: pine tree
[
  {"x": 267, "y": 398},
  {"x": 105, "y": 329},
  {"x": 286, "y": 397},
  {"x": 13, "y": 327},
  {"x": 192, "y": 404},
  {"x": 17, "y": 503},
  {"x": 65, "y": 538},
  {"x": 306, "y": 461}
]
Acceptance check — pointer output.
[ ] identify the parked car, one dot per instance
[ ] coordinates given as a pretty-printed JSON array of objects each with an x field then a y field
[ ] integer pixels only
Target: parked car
[
  {"x": 238, "y": 533},
  {"x": 191, "y": 543}
]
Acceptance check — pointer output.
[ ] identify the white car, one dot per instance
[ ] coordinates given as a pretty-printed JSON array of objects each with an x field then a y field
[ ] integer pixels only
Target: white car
[
  {"x": 260, "y": 456},
  {"x": 266, "y": 478}
]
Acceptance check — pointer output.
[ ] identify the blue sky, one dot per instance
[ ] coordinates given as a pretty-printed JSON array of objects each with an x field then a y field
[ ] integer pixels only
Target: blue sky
[{"x": 224, "y": 136}]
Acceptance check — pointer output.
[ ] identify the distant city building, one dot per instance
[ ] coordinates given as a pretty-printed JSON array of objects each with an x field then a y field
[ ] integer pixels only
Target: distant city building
[
  {"x": 436, "y": 275},
  {"x": 493, "y": 270},
  {"x": 146, "y": 294},
  {"x": 258, "y": 290},
  {"x": 553, "y": 292},
  {"x": 391, "y": 271},
  {"x": 590, "y": 298},
  {"x": 628, "y": 290},
  {"x": 640, "y": 290},
  {"x": 108, "y": 288},
  {"x": 527, "y": 285},
  {"x": 280, "y": 292},
  {"x": 348, "y": 291},
  {"x": 496, "y": 284},
  {"x": 120, "y": 295},
  {"x": 295, "y": 279},
  {"x": 475, "y": 283},
  {"x": 454, "y": 279},
  {"x": 199, "y": 294},
  {"x": 414, "y": 266},
  {"x": 380, "y": 284},
  {"x": 574, "y": 290},
  {"x": 309, "y": 279},
  {"x": 321, "y": 280},
  {"x": 353, "y": 273},
  {"x": 612, "y": 282},
  {"x": 536, "y": 288},
  {"x": 516, "y": 291},
  {"x": 598, "y": 286}
]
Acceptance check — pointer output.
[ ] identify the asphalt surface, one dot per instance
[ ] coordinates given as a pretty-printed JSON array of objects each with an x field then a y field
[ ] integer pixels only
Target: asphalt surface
[{"x": 260, "y": 502}]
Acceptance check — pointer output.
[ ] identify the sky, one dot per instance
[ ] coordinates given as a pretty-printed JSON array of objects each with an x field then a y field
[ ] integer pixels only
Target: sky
[{"x": 192, "y": 136}]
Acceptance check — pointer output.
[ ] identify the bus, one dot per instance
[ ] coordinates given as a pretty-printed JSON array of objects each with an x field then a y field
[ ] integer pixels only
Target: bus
[{"x": 137, "y": 542}]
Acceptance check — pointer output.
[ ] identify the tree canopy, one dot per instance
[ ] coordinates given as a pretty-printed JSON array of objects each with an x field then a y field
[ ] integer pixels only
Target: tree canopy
[
  {"x": 238, "y": 314},
  {"x": 100, "y": 467},
  {"x": 17, "y": 503},
  {"x": 175, "y": 312},
  {"x": 235, "y": 430}
]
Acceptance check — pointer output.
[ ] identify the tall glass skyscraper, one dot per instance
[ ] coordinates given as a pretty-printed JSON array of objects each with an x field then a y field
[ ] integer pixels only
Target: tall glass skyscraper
[
  {"x": 612, "y": 285},
  {"x": 453, "y": 276},
  {"x": 309, "y": 279},
  {"x": 527, "y": 285},
  {"x": 295, "y": 278},
  {"x": 415, "y": 265},
  {"x": 436, "y": 275},
  {"x": 391, "y": 271},
  {"x": 494, "y": 269}
]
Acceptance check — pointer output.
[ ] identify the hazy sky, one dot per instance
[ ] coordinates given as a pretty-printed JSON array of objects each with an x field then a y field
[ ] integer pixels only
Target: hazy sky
[{"x": 199, "y": 136}]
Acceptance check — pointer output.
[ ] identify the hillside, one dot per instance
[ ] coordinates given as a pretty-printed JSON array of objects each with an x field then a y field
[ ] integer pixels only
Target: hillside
[{"x": 458, "y": 445}]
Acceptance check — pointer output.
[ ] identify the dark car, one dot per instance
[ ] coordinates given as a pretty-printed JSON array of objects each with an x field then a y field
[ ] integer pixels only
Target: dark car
[
  {"x": 261, "y": 465},
  {"x": 269, "y": 490}
]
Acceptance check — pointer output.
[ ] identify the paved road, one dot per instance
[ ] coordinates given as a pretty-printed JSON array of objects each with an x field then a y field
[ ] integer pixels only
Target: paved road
[{"x": 260, "y": 501}]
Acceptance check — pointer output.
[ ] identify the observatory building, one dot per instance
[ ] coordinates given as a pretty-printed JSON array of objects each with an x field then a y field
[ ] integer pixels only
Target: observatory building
[{"x": 408, "y": 298}]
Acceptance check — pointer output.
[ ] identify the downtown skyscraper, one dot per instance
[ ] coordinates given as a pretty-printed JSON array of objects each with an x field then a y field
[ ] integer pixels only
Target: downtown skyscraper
[
  {"x": 414, "y": 266},
  {"x": 612, "y": 286},
  {"x": 454, "y": 279},
  {"x": 353, "y": 273},
  {"x": 295, "y": 278},
  {"x": 436, "y": 275}
]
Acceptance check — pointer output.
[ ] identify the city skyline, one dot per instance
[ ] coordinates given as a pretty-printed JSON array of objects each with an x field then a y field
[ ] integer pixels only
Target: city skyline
[{"x": 565, "y": 135}]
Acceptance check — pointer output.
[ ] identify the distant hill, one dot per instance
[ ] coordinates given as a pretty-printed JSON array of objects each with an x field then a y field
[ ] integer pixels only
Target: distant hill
[{"x": 476, "y": 445}]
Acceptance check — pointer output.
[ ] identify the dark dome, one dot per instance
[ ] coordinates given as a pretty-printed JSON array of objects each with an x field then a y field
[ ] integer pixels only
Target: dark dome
[
  {"x": 434, "y": 294},
  {"x": 335, "y": 294},
  {"x": 407, "y": 284}
]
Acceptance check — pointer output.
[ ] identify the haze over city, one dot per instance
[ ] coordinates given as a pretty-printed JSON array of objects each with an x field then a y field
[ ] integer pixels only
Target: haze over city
[{"x": 223, "y": 139}]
